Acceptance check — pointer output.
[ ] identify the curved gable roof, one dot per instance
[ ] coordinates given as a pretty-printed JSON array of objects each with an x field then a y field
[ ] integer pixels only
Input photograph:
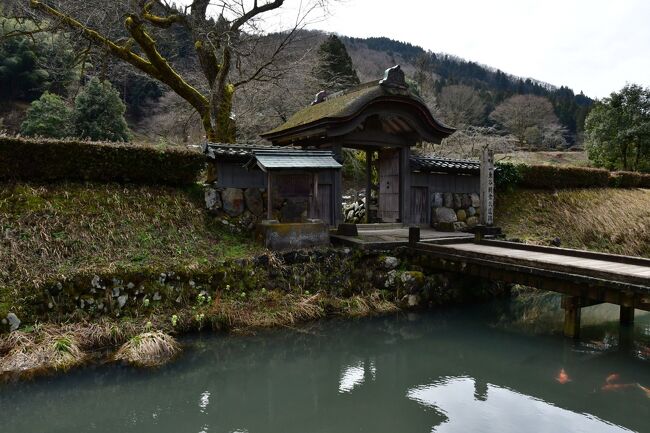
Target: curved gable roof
[{"x": 348, "y": 106}]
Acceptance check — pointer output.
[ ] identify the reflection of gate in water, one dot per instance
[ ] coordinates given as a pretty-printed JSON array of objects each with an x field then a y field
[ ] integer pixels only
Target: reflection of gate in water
[{"x": 389, "y": 185}]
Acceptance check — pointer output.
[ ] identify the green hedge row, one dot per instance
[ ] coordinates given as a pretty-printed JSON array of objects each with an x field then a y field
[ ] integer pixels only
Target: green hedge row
[
  {"x": 559, "y": 177},
  {"x": 43, "y": 159}
]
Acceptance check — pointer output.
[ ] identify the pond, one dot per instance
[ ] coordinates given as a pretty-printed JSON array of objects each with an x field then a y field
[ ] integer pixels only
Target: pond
[{"x": 466, "y": 369}]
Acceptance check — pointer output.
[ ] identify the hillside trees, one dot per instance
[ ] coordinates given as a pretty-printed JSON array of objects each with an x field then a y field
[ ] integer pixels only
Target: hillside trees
[
  {"x": 618, "y": 130},
  {"x": 48, "y": 116},
  {"x": 34, "y": 61},
  {"x": 531, "y": 120},
  {"x": 229, "y": 49},
  {"x": 461, "y": 106},
  {"x": 99, "y": 113},
  {"x": 335, "y": 71}
]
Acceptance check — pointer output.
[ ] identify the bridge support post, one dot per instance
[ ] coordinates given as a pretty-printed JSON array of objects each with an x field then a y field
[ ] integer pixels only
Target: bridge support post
[
  {"x": 572, "y": 306},
  {"x": 626, "y": 316},
  {"x": 414, "y": 235}
]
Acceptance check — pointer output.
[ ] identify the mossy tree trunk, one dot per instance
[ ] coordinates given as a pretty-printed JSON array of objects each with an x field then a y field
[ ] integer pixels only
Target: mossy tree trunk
[{"x": 214, "y": 43}]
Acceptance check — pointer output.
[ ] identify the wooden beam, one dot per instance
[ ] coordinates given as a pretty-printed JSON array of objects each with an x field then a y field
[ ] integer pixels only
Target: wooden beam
[
  {"x": 313, "y": 206},
  {"x": 405, "y": 185},
  {"x": 626, "y": 315},
  {"x": 368, "y": 183},
  {"x": 269, "y": 196},
  {"x": 572, "y": 310}
]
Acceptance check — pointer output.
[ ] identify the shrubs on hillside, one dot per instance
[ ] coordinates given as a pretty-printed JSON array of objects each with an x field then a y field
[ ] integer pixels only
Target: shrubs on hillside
[
  {"x": 48, "y": 116},
  {"x": 31, "y": 159},
  {"x": 558, "y": 177},
  {"x": 98, "y": 115},
  {"x": 555, "y": 177}
]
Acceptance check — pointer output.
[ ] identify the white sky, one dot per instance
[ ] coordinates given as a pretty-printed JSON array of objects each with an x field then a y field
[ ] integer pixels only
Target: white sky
[{"x": 591, "y": 45}]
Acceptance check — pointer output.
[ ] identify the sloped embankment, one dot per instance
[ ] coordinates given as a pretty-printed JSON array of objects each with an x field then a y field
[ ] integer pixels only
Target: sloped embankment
[{"x": 601, "y": 219}]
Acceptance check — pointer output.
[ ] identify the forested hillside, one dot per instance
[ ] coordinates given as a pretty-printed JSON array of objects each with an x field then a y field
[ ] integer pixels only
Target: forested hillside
[
  {"x": 493, "y": 85},
  {"x": 462, "y": 93}
]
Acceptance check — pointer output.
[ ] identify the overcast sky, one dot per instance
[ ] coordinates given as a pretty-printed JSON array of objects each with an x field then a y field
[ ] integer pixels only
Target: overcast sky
[{"x": 591, "y": 45}]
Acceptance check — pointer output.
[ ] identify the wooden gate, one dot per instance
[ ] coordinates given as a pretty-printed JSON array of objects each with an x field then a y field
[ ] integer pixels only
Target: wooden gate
[
  {"x": 389, "y": 185},
  {"x": 420, "y": 204},
  {"x": 324, "y": 203}
]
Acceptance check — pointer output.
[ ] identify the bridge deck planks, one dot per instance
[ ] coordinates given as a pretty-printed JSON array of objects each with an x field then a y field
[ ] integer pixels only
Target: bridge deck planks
[{"x": 555, "y": 259}]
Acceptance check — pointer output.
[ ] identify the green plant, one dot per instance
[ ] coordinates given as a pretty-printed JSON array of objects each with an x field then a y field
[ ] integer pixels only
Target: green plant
[
  {"x": 174, "y": 320},
  {"x": 558, "y": 177},
  {"x": 506, "y": 176},
  {"x": 99, "y": 113},
  {"x": 44, "y": 159},
  {"x": 48, "y": 116}
]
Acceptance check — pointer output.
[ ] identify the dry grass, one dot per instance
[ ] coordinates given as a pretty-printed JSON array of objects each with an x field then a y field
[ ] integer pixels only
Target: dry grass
[
  {"x": 273, "y": 308},
  {"x": 545, "y": 158},
  {"x": 267, "y": 309},
  {"x": 52, "y": 349},
  {"x": 150, "y": 349},
  {"x": 609, "y": 220},
  {"x": 48, "y": 231}
]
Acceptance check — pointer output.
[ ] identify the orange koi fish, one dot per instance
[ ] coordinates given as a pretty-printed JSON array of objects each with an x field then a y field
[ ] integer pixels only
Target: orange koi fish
[
  {"x": 612, "y": 378},
  {"x": 562, "y": 377}
]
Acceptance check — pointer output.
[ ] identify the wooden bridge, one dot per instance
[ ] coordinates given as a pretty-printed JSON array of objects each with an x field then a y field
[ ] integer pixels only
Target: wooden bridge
[{"x": 584, "y": 278}]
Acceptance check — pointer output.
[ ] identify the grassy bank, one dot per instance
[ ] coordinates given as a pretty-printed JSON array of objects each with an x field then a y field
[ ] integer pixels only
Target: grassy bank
[
  {"x": 602, "y": 219},
  {"x": 49, "y": 231}
]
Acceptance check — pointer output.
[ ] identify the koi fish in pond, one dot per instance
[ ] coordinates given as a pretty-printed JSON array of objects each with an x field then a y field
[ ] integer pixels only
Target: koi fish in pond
[
  {"x": 562, "y": 377},
  {"x": 611, "y": 385}
]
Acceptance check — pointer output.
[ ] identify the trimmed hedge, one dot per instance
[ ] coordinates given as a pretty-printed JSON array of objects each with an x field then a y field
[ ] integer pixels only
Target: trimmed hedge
[
  {"x": 625, "y": 179},
  {"x": 44, "y": 159},
  {"x": 558, "y": 177}
]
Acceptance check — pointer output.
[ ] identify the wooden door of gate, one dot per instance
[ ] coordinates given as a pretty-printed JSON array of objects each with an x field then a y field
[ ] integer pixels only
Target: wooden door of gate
[{"x": 389, "y": 163}]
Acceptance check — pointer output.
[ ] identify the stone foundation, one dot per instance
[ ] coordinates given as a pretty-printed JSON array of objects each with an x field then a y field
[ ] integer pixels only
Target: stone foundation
[
  {"x": 455, "y": 211},
  {"x": 278, "y": 236}
]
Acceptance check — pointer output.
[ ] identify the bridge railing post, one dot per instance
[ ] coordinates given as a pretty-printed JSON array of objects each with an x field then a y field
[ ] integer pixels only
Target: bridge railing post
[{"x": 414, "y": 235}]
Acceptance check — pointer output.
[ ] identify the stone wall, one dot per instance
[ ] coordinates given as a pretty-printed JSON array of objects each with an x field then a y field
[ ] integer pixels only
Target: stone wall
[
  {"x": 342, "y": 273},
  {"x": 455, "y": 212},
  {"x": 239, "y": 209},
  {"x": 242, "y": 208}
]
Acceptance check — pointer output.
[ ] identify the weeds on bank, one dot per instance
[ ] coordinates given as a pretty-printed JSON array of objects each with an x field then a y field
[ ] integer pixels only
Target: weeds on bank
[{"x": 150, "y": 349}]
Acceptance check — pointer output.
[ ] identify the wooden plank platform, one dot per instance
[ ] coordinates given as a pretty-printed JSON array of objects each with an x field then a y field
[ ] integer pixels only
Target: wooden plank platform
[
  {"x": 588, "y": 276},
  {"x": 387, "y": 236}
]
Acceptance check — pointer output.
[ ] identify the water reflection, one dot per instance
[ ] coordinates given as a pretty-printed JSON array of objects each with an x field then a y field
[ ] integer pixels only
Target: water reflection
[
  {"x": 455, "y": 397},
  {"x": 446, "y": 370}
]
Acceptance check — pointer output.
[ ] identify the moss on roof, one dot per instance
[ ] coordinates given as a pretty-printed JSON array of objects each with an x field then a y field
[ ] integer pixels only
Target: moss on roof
[{"x": 337, "y": 105}]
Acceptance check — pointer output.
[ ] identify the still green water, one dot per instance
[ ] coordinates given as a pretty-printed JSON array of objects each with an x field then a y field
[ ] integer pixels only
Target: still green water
[{"x": 468, "y": 369}]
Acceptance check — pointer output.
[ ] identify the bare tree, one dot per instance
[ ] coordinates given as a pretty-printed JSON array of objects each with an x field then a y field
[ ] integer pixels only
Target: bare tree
[
  {"x": 228, "y": 43},
  {"x": 531, "y": 120},
  {"x": 461, "y": 106}
]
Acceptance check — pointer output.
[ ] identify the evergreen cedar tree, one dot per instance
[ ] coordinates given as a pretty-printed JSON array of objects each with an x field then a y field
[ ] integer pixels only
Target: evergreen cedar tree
[
  {"x": 99, "y": 113},
  {"x": 335, "y": 71},
  {"x": 618, "y": 130},
  {"x": 48, "y": 116}
]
